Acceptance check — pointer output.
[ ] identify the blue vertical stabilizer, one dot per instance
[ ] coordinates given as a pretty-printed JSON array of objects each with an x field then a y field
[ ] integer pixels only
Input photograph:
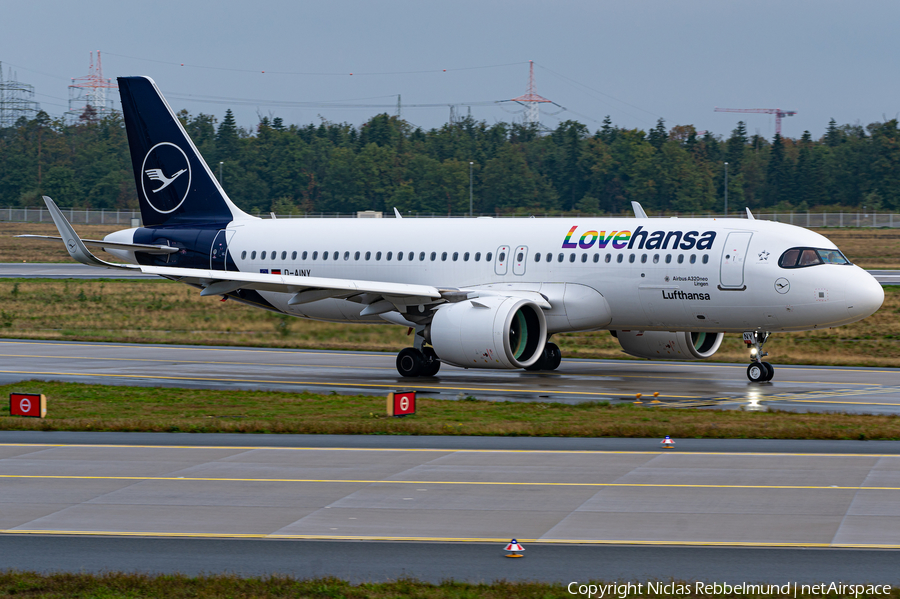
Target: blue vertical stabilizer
[{"x": 174, "y": 183}]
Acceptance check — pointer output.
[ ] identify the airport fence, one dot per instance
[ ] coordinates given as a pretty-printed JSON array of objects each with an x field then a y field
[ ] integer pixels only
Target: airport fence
[{"x": 132, "y": 218}]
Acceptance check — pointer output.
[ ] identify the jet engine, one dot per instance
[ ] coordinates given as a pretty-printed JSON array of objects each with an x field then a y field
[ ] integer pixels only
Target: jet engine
[
  {"x": 489, "y": 332},
  {"x": 668, "y": 345}
]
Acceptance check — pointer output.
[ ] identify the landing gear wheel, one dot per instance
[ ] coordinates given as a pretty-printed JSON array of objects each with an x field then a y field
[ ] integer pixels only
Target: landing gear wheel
[
  {"x": 410, "y": 362},
  {"x": 549, "y": 360},
  {"x": 553, "y": 356},
  {"x": 432, "y": 362},
  {"x": 770, "y": 371},
  {"x": 757, "y": 373}
]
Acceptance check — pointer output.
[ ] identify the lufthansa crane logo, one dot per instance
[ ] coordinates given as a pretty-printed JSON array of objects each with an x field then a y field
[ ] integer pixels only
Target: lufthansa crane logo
[{"x": 165, "y": 177}]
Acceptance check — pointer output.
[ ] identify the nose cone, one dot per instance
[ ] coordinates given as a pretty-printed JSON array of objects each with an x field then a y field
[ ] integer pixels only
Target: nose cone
[{"x": 864, "y": 295}]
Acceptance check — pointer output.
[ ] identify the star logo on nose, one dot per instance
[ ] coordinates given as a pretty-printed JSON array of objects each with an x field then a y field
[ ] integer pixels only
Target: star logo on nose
[{"x": 764, "y": 255}]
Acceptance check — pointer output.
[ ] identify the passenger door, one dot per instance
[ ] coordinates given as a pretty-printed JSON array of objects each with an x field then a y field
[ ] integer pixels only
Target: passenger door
[
  {"x": 219, "y": 251},
  {"x": 734, "y": 255}
]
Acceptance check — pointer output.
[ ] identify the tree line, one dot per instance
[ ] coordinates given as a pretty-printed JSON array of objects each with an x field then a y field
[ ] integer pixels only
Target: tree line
[{"x": 515, "y": 168}]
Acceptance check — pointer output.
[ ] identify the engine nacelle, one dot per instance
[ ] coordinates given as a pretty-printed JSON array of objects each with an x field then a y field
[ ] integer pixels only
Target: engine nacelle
[
  {"x": 666, "y": 345},
  {"x": 489, "y": 332}
]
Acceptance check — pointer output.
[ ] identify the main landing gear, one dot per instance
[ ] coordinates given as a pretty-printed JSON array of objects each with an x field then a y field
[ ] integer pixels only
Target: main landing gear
[
  {"x": 758, "y": 371},
  {"x": 549, "y": 360},
  {"x": 412, "y": 362}
]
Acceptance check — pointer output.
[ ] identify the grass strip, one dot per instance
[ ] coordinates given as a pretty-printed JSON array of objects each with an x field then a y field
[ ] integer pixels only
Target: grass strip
[
  {"x": 161, "y": 311},
  {"x": 116, "y": 585},
  {"x": 80, "y": 407}
]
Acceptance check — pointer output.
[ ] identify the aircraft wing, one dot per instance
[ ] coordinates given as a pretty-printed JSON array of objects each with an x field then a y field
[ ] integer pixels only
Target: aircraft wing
[{"x": 305, "y": 289}]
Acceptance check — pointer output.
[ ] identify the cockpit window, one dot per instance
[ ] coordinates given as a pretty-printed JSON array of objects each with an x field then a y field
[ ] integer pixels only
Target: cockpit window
[
  {"x": 833, "y": 257},
  {"x": 803, "y": 257}
]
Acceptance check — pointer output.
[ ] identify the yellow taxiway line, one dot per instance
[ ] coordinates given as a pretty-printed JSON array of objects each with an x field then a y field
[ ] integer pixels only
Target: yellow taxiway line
[
  {"x": 439, "y": 482},
  {"x": 322, "y": 384},
  {"x": 429, "y": 539},
  {"x": 653, "y": 452}
]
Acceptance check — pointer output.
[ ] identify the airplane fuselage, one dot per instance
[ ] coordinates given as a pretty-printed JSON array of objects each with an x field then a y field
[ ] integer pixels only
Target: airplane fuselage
[{"x": 655, "y": 274}]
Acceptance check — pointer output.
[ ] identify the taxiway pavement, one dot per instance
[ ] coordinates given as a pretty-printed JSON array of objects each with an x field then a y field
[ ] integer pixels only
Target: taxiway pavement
[
  {"x": 679, "y": 384},
  {"x": 445, "y": 512}
]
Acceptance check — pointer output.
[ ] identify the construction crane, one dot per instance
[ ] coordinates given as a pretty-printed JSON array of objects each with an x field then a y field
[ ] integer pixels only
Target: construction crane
[{"x": 779, "y": 114}]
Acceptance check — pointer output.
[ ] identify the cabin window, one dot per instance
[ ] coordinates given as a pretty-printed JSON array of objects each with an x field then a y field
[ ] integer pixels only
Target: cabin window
[
  {"x": 596, "y": 258},
  {"x": 572, "y": 257},
  {"x": 560, "y": 258},
  {"x": 655, "y": 258},
  {"x": 433, "y": 256},
  {"x": 693, "y": 259},
  {"x": 368, "y": 255},
  {"x": 466, "y": 257},
  {"x": 477, "y": 256},
  {"x": 668, "y": 258},
  {"x": 315, "y": 255},
  {"x": 410, "y": 257},
  {"x": 421, "y": 256},
  {"x": 584, "y": 257},
  {"x": 388, "y": 257},
  {"x": 455, "y": 256},
  {"x": 705, "y": 258},
  {"x": 294, "y": 255},
  {"x": 487, "y": 256},
  {"x": 502, "y": 257},
  {"x": 643, "y": 258},
  {"x": 334, "y": 256},
  {"x": 262, "y": 256},
  {"x": 356, "y": 256},
  {"x": 608, "y": 258},
  {"x": 284, "y": 255},
  {"x": 631, "y": 258},
  {"x": 304, "y": 255},
  {"x": 620, "y": 257},
  {"x": 680, "y": 258},
  {"x": 399, "y": 256},
  {"x": 443, "y": 256},
  {"x": 377, "y": 255},
  {"x": 346, "y": 255},
  {"x": 244, "y": 255},
  {"x": 537, "y": 257},
  {"x": 324, "y": 255}
]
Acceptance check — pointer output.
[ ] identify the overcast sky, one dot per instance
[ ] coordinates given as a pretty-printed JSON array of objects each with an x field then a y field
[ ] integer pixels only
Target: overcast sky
[{"x": 635, "y": 60}]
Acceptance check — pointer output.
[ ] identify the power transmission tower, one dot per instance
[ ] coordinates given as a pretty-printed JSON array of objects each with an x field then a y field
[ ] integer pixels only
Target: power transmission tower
[
  {"x": 531, "y": 100},
  {"x": 16, "y": 100}
]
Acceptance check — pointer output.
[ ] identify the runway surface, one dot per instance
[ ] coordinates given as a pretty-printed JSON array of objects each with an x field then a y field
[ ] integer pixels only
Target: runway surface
[
  {"x": 445, "y": 512},
  {"x": 69, "y": 270},
  {"x": 679, "y": 384}
]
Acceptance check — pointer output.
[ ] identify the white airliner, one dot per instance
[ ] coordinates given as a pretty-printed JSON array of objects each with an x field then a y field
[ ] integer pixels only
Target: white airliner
[{"x": 480, "y": 293}]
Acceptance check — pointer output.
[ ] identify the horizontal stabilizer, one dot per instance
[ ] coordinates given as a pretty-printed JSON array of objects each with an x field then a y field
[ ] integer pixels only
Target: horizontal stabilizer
[
  {"x": 98, "y": 243},
  {"x": 74, "y": 245}
]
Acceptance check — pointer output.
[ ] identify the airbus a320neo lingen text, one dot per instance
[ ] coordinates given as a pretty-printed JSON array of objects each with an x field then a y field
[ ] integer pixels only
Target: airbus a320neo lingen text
[{"x": 479, "y": 293}]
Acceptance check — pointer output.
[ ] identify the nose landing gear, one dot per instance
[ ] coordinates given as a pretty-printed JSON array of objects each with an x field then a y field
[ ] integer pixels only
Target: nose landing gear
[{"x": 758, "y": 371}]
